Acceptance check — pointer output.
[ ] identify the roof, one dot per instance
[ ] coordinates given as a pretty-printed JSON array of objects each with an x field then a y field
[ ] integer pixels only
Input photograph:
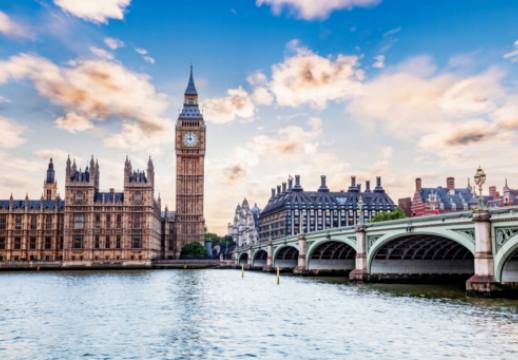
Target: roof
[
  {"x": 456, "y": 199},
  {"x": 171, "y": 215},
  {"x": 191, "y": 88},
  {"x": 315, "y": 199},
  {"x": 33, "y": 204},
  {"x": 109, "y": 197},
  {"x": 191, "y": 111}
]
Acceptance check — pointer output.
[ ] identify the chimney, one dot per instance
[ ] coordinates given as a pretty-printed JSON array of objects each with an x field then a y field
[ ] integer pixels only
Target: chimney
[
  {"x": 353, "y": 181},
  {"x": 273, "y": 192},
  {"x": 492, "y": 192},
  {"x": 278, "y": 189},
  {"x": 450, "y": 183},
  {"x": 290, "y": 183},
  {"x": 297, "y": 186},
  {"x": 323, "y": 186},
  {"x": 418, "y": 184},
  {"x": 367, "y": 186},
  {"x": 284, "y": 187},
  {"x": 378, "y": 181}
]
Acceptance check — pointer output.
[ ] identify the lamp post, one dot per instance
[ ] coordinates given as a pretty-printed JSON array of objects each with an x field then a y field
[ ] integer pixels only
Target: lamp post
[
  {"x": 360, "y": 209},
  {"x": 480, "y": 179}
]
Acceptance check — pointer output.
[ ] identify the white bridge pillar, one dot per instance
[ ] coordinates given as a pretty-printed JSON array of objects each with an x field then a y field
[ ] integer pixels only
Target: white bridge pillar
[
  {"x": 301, "y": 262},
  {"x": 483, "y": 281},
  {"x": 360, "y": 272},
  {"x": 269, "y": 257}
]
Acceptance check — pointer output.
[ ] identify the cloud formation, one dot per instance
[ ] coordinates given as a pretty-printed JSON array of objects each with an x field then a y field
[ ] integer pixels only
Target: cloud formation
[
  {"x": 311, "y": 9},
  {"x": 237, "y": 104},
  {"x": 93, "y": 89},
  {"x": 145, "y": 55},
  {"x": 113, "y": 43},
  {"x": 101, "y": 53},
  {"x": 513, "y": 55},
  {"x": 10, "y": 28},
  {"x": 96, "y": 11},
  {"x": 13, "y": 134},
  {"x": 74, "y": 123}
]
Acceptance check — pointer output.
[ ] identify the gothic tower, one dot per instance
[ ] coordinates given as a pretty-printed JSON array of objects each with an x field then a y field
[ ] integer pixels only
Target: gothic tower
[
  {"x": 50, "y": 186},
  {"x": 190, "y": 156}
]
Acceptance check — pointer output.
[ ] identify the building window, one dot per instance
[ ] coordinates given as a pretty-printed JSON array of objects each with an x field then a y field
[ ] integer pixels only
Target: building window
[
  {"x": 137, "y": 221},
  {"x": 97, "y": 242},
  {"x": 136, "y": 242},
  {"x": 78, "y": 197},
  {"x": 48, "y": 222},
  {"x": 2, "y": 243},
  {"x": 34, "y": 222},
  {"x": 79, "y": 221},
  {"x": 3, "y": 222},
  {"x": 18, "y": 222},
  {"x": 48, "y": 242},
  {"x": 118, "y": 243},
  {"x": 108, "y": 221},
  {"x": 17, "y": 243},
  {"x": 77, "y": 242},
  {"x": 137, "y": 197},
  {"x": 97, "y": 220},
  {"x": 107, "y": 242},
  {"x": 32, "y": 242},
  {"x": 119, "y": 221}
]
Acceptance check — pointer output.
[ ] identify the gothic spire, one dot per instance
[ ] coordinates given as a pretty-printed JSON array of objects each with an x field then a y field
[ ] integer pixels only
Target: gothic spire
[{"x": 191, "y": 88}]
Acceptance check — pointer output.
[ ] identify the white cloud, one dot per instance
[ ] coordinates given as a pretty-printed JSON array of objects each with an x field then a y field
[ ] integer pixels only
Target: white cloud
[
  {"x": 13, "y": 134},
  {"x": 74, "y": 123},
  {"x": 379, "y": 62},
  {"x": 10, "y": 28},
  {"x": 94, "y": 89},
  {"x": 149, "y": 59},
  {"x": 237, "y": 104},
  {"x": 513, "y": 55},
  {"x": 56, "y": 154},
  {"x": 306, "y": 78},
  {"x": 312, "y": 9},
  {"x": 97, "y": 11},
  {"x": 101, "y": 53},
  {"x": 141, "y": 51},
  {"x": 113, "y": 43},
  {"x": 145, "y": 55}
]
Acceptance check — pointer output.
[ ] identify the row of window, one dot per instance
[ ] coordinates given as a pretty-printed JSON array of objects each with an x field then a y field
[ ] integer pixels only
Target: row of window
[
  {"x": 78, "y": 242},
  {"x": 33, "y": 222},
  {"x": 136, "y": 221},
  {"x": 17, "y": 243}
]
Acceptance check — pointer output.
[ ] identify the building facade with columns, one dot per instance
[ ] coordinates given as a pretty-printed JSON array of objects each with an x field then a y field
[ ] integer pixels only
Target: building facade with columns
[
  {"x": 245, "y": 226},
  {"x": 291, "y": 210}
]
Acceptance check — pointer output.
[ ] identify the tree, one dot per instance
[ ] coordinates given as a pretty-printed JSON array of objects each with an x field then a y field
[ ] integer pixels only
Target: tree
[
  {"x": 194, "y": 250},
  {"x": 397, "y": 213}
]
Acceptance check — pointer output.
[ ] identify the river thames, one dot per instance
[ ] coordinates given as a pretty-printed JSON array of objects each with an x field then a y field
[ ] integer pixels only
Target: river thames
[{"x": 215, "y": 314}]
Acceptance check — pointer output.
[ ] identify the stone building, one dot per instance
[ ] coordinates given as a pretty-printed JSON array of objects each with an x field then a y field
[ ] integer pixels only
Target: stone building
[
  {"x": 94, "y": 227},
  {"x": 245, "y": 227},
  {"x": 291, "y": 210}
]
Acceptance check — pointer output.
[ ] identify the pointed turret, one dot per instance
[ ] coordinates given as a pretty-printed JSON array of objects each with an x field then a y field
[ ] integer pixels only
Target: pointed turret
[{"x": 191, "y": 88}]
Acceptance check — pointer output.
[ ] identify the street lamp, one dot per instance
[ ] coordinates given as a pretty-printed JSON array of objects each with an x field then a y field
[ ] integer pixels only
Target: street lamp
[
  {"x": 480, "y": 179},
  {"x": 360, "y": 209}
]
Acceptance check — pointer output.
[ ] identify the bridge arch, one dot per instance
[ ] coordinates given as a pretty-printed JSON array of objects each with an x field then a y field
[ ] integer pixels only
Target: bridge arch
[
  {"x": 506, "y": 261},
  {"x": 243, "y": 259},
  {"x": 259, "y": 258},
  {"x": 335, "y": 254},
  {"x": 422, "y": 253},
  {"x": 285, "y": 257}
]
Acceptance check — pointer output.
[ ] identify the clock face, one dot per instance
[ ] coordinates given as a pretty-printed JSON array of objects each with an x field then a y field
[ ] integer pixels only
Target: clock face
[{"x": 190, "y": 139}]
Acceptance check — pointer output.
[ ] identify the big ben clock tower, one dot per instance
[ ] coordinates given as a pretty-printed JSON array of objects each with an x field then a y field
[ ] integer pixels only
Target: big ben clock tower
[{"x": 190, "y": 156}]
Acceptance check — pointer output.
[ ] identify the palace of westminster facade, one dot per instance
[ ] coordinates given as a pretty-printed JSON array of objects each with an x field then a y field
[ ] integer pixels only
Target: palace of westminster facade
[{"x": 90, "y": 227}]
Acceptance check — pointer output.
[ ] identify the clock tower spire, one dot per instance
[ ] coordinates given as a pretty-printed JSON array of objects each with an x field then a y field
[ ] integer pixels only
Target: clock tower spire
[{"x": 190, "y": 169}]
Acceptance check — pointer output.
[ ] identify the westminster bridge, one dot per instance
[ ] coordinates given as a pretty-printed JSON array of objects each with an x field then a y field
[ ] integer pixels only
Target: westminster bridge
[{"x": 481, "y": 245}]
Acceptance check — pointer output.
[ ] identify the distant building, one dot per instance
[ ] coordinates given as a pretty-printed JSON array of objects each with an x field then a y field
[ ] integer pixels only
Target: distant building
[
  {"x": 437, "y": 200},
  {"x": 245, "y": 227},
  {"x": 291, "y": 210},
  {"x": 405, "y": 204}
]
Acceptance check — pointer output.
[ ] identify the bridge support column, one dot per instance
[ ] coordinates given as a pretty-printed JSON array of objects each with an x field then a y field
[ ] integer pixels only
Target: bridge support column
[
  {"x": 301, "y": 262},
  {"x": 250, "y": 263},
  {"x": 360, "y": 272},
  {"x": 269, "y": 257},
  {"x": 483, "y": 281}
]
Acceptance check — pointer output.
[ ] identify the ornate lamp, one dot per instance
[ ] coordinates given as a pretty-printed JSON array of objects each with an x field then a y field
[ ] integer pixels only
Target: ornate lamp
[
  {"x": 480, "y": 179},
  {"x": 360, "y": 209}
]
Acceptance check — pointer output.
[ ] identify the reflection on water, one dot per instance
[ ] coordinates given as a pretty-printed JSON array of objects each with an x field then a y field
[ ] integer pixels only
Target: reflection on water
[{"x": 214, "y": 314}]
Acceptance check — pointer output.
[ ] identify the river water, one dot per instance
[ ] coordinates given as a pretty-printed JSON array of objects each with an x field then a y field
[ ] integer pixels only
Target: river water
[{"x": 215, "y": 314}]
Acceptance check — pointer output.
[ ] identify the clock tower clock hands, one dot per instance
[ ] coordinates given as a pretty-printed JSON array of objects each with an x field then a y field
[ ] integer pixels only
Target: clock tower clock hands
[{"x": 190, "y": 157}]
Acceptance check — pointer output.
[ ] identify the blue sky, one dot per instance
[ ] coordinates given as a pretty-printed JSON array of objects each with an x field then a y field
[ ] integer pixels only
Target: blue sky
[{"x": 351, "y": 87}]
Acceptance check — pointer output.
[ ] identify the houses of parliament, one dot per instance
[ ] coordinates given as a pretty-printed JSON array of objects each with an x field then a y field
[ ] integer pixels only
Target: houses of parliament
[{"x": 128, "y": 227}]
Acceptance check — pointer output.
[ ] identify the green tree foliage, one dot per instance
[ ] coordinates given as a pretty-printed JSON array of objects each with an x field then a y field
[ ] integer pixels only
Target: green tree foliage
[
  {"x": 397, "y": 213},
  {"x": 194, "y": 250}
]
